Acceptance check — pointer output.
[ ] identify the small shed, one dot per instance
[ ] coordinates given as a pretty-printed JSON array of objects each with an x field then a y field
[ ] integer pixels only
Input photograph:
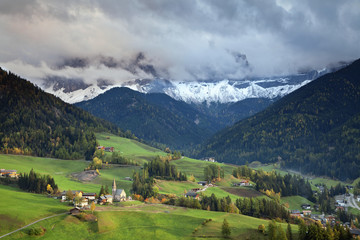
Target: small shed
[{"x": 75, "y": 211}]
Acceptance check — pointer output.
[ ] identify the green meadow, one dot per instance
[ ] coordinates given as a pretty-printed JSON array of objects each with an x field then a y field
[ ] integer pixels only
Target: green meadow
[
  {"x": 61, "y": 170},
  {"x": 175, "y": 187},
  {"x": 295, "y": 202},
  {"x": 196, "y": 167},
  {"x": 129, "y": 148},
  {"x": 18, "y": 208},
  {"x": 150, "y": 221}
]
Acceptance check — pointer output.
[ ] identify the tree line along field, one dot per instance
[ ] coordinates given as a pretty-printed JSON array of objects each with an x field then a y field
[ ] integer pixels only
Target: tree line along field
[
  {"x": 313, "y": 180},
  {"x": 149, "y": 221}
]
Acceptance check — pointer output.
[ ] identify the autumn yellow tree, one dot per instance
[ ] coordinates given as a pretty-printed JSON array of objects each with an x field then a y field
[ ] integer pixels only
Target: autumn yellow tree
[
  {"x": 92, "y": 207},
  {"x": 49, "y": 189}
]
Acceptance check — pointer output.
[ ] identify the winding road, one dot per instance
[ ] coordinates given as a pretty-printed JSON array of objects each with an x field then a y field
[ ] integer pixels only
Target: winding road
[
  {"x": 352, "y": 202},
  {"x": 42, "y": 219}
]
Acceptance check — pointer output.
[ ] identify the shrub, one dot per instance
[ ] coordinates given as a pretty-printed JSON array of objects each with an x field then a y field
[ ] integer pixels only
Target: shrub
[
  {"x": 261, "y": 228},
  {"x": 36, "y": 231}
]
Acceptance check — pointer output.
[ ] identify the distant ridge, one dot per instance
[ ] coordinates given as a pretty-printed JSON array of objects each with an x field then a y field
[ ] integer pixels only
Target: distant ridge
[
  {"x": 154, "y": 117},
  {"x": 315, "y": 129}
]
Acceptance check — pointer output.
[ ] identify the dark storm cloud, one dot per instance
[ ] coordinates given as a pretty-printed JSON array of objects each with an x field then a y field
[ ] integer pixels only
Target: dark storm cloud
[{"x": 122, "y": 40}]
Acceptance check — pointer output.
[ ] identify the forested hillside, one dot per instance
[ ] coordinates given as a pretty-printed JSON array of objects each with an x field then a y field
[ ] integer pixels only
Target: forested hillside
[
  {"x": 315, "y": 129},
  {"x": 226, "y": 114},
  {"x": 155, "y": 117},
  {"x": 36, "y": 123}
]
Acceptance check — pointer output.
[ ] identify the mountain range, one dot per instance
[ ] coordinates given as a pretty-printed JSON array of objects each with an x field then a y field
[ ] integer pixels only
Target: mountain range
[
  {"x": 182, "y": 115},
  {"x": 315, "y": 129},
  {"x": 196, "y": 92}
]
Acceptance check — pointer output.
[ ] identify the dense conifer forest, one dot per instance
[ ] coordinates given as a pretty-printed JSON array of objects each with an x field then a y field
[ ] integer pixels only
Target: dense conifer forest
[
  {"x": 37, "y": 123},
  {"x": 314, "y": 129}
]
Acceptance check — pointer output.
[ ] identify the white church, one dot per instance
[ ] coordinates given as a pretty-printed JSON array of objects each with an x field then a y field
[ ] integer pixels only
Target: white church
[{"x": 119, "y": 195}]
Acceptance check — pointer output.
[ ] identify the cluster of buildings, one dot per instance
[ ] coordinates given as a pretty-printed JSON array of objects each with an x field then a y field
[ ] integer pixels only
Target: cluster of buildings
[
  {"x": 8, "y": 173},
  {"x": 209, "y": 159},
  {"x": 118, "y": 195},
  {"x": 195, "y": 192}
]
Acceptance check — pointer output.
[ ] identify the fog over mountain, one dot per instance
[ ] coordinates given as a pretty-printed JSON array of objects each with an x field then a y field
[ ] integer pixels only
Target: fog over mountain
[{"x": 114, "y": 42}]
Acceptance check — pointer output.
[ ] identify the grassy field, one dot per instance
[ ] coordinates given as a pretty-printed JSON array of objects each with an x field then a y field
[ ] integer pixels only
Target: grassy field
[
  {"x": 129, "y": 148},
  {"x": 150, "y": 222},
  {"x": 328, "y": 182},
  {"x": 295, "y": 202},
  {"x": 61, "y": 171},
  {"x": 177, "y": 188},
  {"x": 18, "y": 208},
  {"x": 196, "y": 167},
  {"x": 220, "y": 193}
]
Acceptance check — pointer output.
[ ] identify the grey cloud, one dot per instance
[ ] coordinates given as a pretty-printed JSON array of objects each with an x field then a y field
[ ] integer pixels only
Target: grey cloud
[
  {"x": 69, "y": 85},
  {"x": 122, "y": 40},
  {"x": 76, "y": 62}
]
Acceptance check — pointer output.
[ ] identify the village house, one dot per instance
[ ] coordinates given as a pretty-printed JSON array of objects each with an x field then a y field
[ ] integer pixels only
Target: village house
[
  {"x": 109, "y": 149},
  {"x": 358, "y": 198},
  {"x": 307, "y": 213},
  {"x": 128, "y": 178},
  {"x": 106, "y": 199},
  {"x": 209, "y": 159},
  {"x": 192, "y": 194},
  {"x": 119, "y": 195},
  {"x": 63, "y": 194},
  {"x": 295, "y": 213},
  {"x": 8, "y": 173},
  {"x": 306, "y": 206},
  {"x": 242, "y": 183},
  {"x": 196, "y": 190},
  {"x": 83, "y": 203},
  {"x": 75, "y": 211},
  {"x": 340, "y": 200},
  {"x": 89, "y": 196},
  {"x": 202, "y": 183},
  {"x": 106, "y": 149}
]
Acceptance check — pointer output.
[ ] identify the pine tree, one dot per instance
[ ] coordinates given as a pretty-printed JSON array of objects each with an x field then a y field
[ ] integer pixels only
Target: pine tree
[
  {"x": 302, "y": 230},
  {"x": 289, "y": 232},
  {"x": 102, "y": 191},
  {"x": 225, "y": 230},
  {"x": 280, "y": 235},
  {"x": 272, "y": 231}
]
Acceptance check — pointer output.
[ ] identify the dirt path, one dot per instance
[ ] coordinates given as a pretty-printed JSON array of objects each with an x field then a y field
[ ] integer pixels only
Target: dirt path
[{"x": 32, "y": 224}]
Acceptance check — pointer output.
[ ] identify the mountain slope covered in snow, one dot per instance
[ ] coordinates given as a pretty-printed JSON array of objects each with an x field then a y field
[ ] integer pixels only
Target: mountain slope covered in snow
[{"x": 224, "y": 91}]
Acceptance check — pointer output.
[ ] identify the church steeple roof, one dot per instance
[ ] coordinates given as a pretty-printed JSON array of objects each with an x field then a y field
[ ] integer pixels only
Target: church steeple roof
[{"x": 114, "y": 184}]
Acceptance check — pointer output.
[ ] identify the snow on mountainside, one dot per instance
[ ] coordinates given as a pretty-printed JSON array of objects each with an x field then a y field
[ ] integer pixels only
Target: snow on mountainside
[{"x": 224, "y": 91}]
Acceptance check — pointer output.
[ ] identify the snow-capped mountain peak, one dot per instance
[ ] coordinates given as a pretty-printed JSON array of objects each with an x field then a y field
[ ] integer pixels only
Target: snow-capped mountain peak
[{"x": 224, "y": 91}]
